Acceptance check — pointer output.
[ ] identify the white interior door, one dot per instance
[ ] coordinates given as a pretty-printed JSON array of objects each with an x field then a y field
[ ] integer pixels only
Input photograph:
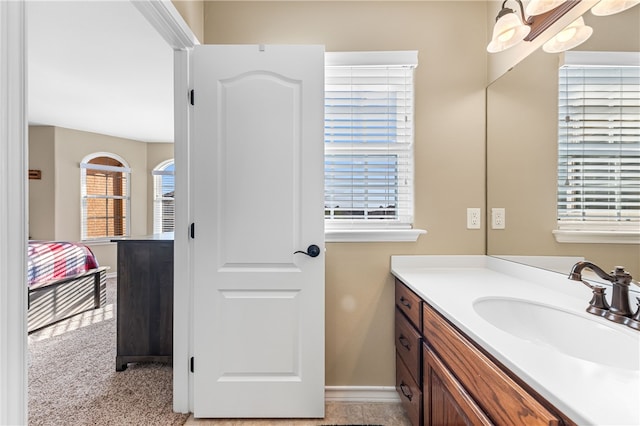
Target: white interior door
[{"x": 258, "y": 191}]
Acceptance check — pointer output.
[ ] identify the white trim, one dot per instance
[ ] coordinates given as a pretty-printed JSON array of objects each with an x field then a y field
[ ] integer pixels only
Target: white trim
[
  {"x": 155, "y": 172},
  {"x": 361, "y": 394},
  {"x": 105, "y": 167},
  {"x": 13, "y": 218},
  {"x": 371, "y": 59},
  {"x": 582, "y": 57},
  {"x": 165, "y": 18},
  {"x": 372, "y": 235},
  {"x": 183, "y": 258},
  {"x": 102, "y": 242},
  {"x": 596, "y": 237},
  {"x": 85, "y": 161}
]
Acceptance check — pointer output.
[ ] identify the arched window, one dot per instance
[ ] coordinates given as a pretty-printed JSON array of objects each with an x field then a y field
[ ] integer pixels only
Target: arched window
[
  {"x": 105, "y": 196},
  {"x": 163, "y": 197}
]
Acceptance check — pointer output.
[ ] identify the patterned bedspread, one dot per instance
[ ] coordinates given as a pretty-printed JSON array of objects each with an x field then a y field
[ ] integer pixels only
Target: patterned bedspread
[{"x": 54, "y": 260}]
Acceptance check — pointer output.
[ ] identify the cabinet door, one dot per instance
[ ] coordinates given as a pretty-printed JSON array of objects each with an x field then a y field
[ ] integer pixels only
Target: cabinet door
[
  {"x": 505, "y": 401},
  {"x": 446, "y": 402}
]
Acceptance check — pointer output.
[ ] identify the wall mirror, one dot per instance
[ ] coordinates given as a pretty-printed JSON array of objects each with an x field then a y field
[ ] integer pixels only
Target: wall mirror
[{"x": 522, "y": 153}]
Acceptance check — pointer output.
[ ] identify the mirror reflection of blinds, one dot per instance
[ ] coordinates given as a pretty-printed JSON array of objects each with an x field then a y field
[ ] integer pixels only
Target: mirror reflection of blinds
[
  {"x": 368, "y": 144},
  {"x": 164, "y": 200},
  {"x": 599, "y": 145}
]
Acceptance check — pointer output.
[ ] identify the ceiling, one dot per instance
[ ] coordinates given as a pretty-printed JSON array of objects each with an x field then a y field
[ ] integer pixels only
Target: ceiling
[{"x": 99, "y": 66}]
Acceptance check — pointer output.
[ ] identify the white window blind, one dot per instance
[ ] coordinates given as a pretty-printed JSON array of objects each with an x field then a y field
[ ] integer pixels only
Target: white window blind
[
  {"x": 599, "y": 148},
  {"x": 163, "y": 197},
  {"x": 369, "y": 139},
  {"x": 105, "y": 197}
]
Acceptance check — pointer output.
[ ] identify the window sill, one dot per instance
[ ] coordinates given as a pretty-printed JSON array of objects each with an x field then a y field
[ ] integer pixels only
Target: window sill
[
  {"x": 101, "y": 241},
  {"x": 596, "y": 237},
  {"x": 372, "y": 235}
]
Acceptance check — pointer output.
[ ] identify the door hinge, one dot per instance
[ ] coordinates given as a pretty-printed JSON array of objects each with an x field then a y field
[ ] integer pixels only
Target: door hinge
[
  {"x": 192, "y": 231},
  {"x": 191, "y": 97},
  {"x": 191, "y": 364}
]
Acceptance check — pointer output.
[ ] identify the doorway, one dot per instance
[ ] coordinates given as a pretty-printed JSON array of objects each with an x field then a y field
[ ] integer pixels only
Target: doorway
[{"x": 13, "y": 214}]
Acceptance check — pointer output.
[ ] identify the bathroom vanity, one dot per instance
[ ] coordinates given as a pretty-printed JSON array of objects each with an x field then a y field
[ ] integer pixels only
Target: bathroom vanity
[{"x": 480, "y": 340}]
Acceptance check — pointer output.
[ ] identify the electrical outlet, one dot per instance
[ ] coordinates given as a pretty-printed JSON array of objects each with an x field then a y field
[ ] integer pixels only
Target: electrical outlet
[
  {"x": 498, "y": 218},
  {"x": 473, "y": 218}
]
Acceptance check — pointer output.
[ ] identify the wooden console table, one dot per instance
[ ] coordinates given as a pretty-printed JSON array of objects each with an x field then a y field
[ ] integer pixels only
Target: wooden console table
[{"x": 145, "y": 300}]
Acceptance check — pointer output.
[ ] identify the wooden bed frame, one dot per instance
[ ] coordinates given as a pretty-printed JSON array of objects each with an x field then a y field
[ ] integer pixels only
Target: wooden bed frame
[{"x": 54, "y": 301}]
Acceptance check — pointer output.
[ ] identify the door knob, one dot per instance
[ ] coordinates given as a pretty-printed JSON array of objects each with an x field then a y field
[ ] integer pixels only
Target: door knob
[{"x": 312, "y": 251}]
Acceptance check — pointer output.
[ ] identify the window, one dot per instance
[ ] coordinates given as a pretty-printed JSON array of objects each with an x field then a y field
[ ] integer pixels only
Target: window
[
  {"x": 599, "y": 146},
  {"x": 369, "y": 140},
  {"x": 105, "y": 196},
  {"x": 163, "y": 197}
]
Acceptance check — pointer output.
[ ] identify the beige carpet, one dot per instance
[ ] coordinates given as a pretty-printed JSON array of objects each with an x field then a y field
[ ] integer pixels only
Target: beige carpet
[{"x": 72, "y": 377}]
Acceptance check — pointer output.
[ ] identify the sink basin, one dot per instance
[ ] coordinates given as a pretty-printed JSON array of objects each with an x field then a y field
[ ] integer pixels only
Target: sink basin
[{"x": 579, "y": 336}]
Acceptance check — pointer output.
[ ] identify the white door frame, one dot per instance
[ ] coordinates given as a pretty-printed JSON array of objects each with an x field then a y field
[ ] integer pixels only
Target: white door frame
[
  {"x": 13, "y": 208},
  {"x": 164, "y": 17}
]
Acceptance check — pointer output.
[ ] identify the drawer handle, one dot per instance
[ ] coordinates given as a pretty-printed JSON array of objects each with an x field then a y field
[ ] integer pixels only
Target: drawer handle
[
  {"x": 406, "y": 391},
  {"x": 405, "y": 302},
  {"x": 404, "y": 342}
]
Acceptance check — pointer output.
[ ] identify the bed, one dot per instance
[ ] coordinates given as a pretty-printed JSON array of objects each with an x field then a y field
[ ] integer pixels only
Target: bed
[{"x": 63, "y": 279}]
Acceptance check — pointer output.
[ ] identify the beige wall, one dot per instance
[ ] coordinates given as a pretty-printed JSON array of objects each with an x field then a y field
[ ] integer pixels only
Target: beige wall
[
  {"x": 522, "y": 151},
  {"x": 449, "y": 150},
  {"x": 66, "y": 151},
  {"x": 192, "y": 11},
  {"x": 156, "y": 154},
  {"x": 42, "y": 192}
]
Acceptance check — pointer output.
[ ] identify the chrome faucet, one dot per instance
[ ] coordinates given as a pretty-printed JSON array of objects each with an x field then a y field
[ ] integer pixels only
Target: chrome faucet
[{"x": 619, "y": 311}]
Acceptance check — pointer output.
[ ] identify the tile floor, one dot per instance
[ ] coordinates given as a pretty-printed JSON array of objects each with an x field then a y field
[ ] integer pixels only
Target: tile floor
[{"x": 336, "y": 413}]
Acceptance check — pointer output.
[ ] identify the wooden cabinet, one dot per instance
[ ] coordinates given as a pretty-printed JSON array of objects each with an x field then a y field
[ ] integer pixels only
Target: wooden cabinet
[
  {"x": 408, "y": 346},
  {"x": 144, "y": 301},
  {"x": 408, "y": 340},
  {"x": 409, "y": 304},
  {"x": 459, "y": 383},
  {"x": 445, "y": 401},
  {"x": 409, "y": 391},
  {"x": 504, "y": 401}
]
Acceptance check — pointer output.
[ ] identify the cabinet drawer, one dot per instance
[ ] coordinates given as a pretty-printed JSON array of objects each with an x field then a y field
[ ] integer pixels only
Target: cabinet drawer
[
  {"x": 409, "y": 392},
  {"x": 504, "y": 401},
  {"x": 409, "y": 303},
  {"x": 408, "y": 345}
]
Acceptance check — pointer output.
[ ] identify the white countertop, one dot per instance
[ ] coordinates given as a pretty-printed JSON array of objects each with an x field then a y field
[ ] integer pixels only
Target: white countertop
[{"x": 585, "y": 391}]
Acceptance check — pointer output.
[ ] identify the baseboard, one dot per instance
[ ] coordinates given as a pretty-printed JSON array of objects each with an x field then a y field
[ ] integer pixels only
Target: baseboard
[{"x": 361, "y": 394}]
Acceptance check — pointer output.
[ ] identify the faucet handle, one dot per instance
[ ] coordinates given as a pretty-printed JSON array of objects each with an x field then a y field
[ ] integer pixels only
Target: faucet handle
[
  {"x": 634, "y": 321},
  {"x": 598, "y": 304},
  {"x": 621, "y": 276}
]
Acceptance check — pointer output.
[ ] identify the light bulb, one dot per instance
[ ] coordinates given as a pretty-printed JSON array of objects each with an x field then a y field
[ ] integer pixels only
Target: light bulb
[
  {"x": 571, "y": 36},
  {"x": 566, "y": 34}
]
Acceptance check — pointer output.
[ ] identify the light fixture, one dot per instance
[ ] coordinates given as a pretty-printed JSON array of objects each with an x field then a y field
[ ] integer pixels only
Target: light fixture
[
  {"x": 609, "y": 7},
  {"x": 509, "y": 29},
  {"x": 538, "y": 7},
  {"x": 571, "y": 36}
]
